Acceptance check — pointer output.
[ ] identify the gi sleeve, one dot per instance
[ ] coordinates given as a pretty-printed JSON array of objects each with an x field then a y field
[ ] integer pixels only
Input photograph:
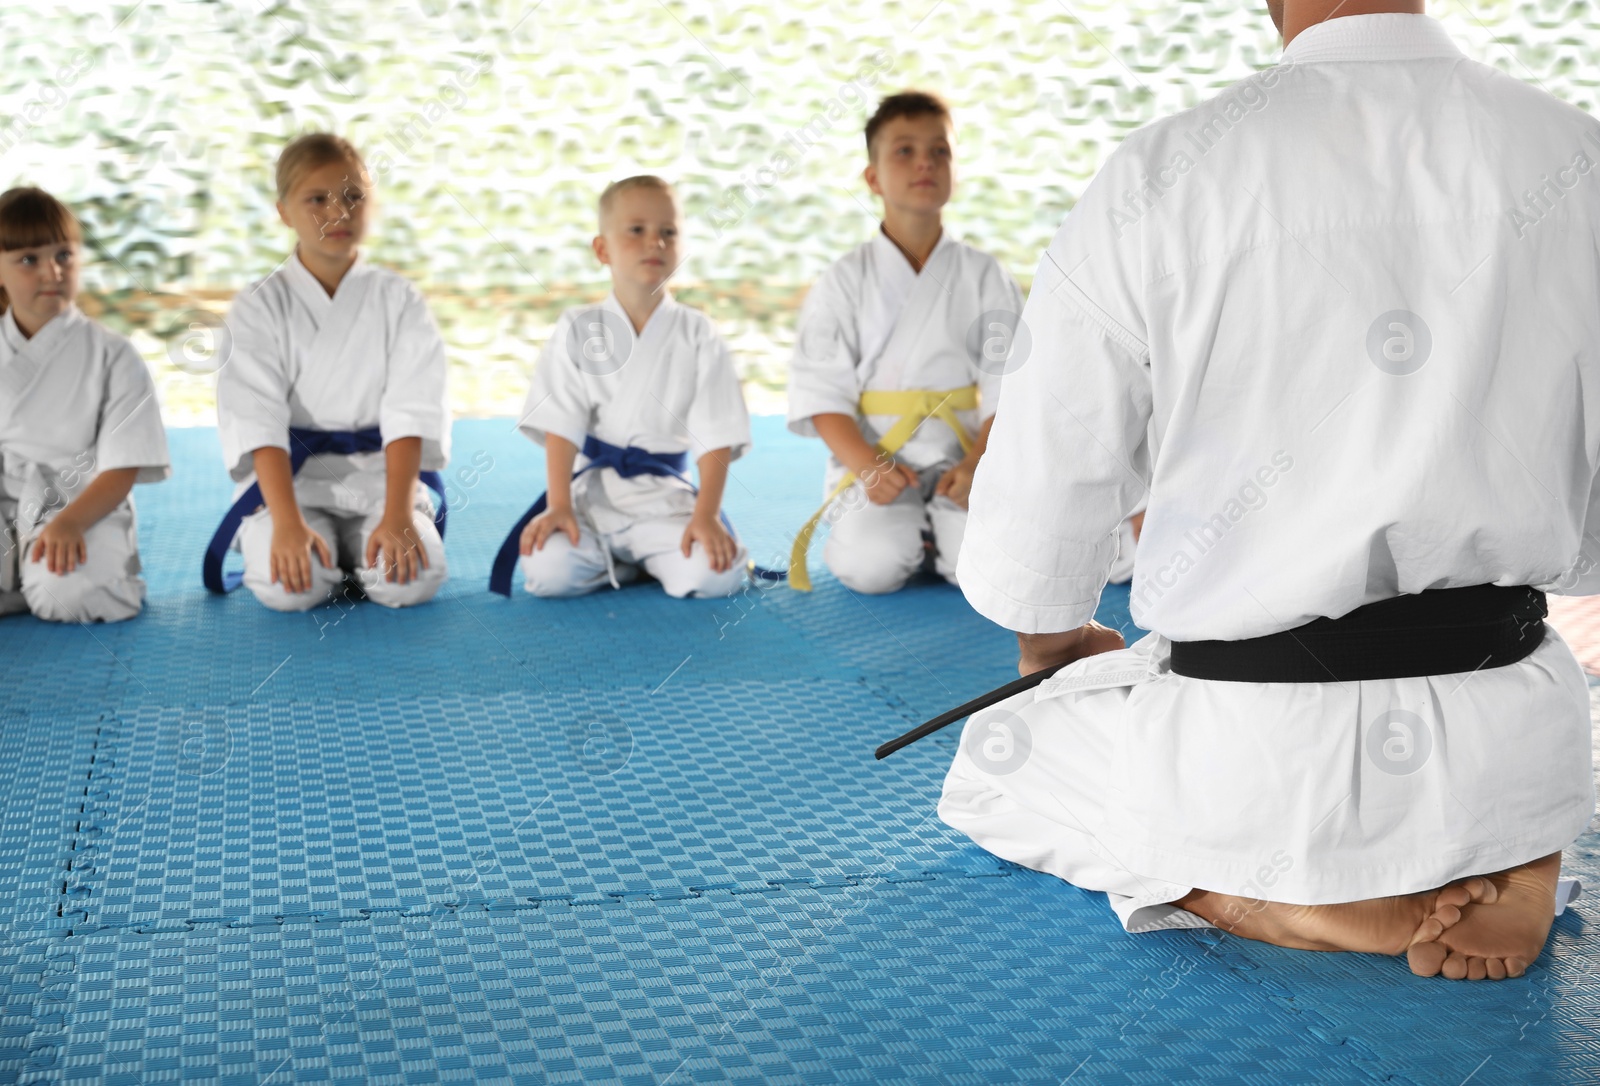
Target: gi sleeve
[
  {"x": 130, "y": 433},
  {"x": 415, "y": 400},
  {"x": 1067, "y": 459},
  {"x": 558, "y": 401},
  {"x": 718, "y": 417},
  {"x": 823, "y": 376},
  {"x": 253, "y": 383}
]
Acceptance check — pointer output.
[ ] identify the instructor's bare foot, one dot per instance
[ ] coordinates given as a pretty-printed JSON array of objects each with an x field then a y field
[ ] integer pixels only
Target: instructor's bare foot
[
  {"x": 1501, "y": 932},
  {"x": 1387, "y": 925}
]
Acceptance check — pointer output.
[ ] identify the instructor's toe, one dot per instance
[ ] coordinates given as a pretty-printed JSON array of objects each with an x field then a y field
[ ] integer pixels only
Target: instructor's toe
[
  {"x": 1473, "y": 891},
  {"x": 1427, "y": 931},
  {"x": 1427, "y": 958}
]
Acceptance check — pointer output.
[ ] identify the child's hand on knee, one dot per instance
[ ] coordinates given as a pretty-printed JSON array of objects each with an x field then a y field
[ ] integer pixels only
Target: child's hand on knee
[
  {"x": 956, "y": 484},
  {"x": 884, "y": 481},
  {"x": 542, "y": 527},
  {"x": 719, "y": 545},
  {"x": 292, "y": 544},
  {"x": 61, "y": 545},
  {"x": 396, "y": 540}
]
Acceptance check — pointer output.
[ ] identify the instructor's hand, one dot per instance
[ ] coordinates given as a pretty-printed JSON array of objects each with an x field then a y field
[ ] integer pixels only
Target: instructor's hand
[
  {"x": 292, "y": 544},
  {"x": 1040, "y": 651}
]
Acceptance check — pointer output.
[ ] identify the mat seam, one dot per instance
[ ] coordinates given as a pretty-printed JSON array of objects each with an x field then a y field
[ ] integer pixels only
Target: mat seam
[
  {"x": 72, "y": 906},
  {"x": 57, "y": 981},
  {"x": 480, "y": 903}
]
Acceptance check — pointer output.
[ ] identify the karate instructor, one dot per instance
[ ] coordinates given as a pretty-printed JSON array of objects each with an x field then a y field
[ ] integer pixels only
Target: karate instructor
[{"x": 1341, "y": 326}]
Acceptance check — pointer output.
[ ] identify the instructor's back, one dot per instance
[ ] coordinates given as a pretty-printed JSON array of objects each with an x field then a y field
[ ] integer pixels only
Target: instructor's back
[{"x": 1341, "y": 324}]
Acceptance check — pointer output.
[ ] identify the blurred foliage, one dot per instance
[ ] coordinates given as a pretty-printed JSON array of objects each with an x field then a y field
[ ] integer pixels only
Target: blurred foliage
[{"x": 492, "y": 126}]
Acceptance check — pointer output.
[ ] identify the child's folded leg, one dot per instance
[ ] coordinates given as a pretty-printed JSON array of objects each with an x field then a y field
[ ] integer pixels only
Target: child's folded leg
[
  {"x": 875, "y": 548},
  {"x": 12, "y": 601},
  {"x": 561, "y": 569},
  {"x": 949, "y": 522},
  {"x": 105, "y": 588},
  {"x": 255, "y": 543},
  {"x": 656, "y": 543},
  {"x": 421, "y": 588}
]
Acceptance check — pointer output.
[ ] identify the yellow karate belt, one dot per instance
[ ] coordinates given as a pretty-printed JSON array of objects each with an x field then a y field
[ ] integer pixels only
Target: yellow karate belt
[{"x": 914, "y": 406}]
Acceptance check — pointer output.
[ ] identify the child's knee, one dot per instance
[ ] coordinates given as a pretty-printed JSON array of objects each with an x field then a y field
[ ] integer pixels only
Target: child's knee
[
  {"x": 420, "y": 589},
  {"x": 693, "y": 576},
  {"x": 949, "y": 522},
  {"x": 75, "y": 597},
  {"x": 557, "y": 570},
  {"x": 874, "y": 565},
  {"x": 274, "y": 597},
  {"x": 872, "y": 579},
  {"x": 425, "y": 581},
  {"x": 255, "y": 546}
]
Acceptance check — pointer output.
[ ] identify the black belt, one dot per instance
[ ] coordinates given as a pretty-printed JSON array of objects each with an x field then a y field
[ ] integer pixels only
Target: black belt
[{"x": 1442, "y": 631}]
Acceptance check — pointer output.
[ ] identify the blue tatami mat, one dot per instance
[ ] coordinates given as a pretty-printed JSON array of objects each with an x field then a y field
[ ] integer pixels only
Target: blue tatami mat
[{"x": 614, "y": 839}]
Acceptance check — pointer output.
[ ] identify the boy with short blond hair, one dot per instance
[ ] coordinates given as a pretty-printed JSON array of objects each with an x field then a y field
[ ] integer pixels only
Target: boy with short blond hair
[{"x": 625, "y": 392}]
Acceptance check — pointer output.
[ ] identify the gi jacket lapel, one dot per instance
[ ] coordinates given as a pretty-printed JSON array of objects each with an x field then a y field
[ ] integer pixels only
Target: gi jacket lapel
[
  {"x": 335, "y": 318},
  {"x": 635, "y": 385},
  {"x": 914, "y": 302},
  {"x": 23, "y": 363}
]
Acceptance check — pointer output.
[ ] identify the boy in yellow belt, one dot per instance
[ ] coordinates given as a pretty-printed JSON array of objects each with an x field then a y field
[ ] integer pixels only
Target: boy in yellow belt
[{"x": 897, "y": 365}]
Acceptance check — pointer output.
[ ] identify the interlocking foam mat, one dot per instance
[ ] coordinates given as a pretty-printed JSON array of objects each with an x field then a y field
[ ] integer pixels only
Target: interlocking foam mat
[{"x": 614, "y": 839}]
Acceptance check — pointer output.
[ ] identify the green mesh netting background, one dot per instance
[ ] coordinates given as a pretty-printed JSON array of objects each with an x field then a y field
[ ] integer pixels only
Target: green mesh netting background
[{"x": 492, "y": 127}]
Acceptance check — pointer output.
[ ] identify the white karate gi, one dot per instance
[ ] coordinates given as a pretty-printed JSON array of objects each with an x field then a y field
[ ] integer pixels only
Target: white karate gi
[
  {"x": 671, "y": 388},
  {"x": 75, "y": 400},
  {"x": 1352, "y": 352},
  {"x": 371, "y": 355},
  {"x": 872, "y": 322}
]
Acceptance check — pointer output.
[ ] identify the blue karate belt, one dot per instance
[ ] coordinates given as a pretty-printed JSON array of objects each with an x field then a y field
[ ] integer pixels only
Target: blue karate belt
[
  {"x": 627, "y": 462},
  {"x": 303, "y": 444}
]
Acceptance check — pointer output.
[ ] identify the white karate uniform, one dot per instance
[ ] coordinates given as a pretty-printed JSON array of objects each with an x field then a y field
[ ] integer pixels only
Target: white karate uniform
[
  {"x": 1329, "y": 342},
  {"x": 75, "y": 400},
  {"x": 873, "y": 323},
  {"x": 371, "y": 355},
  {"x": 672, "y": 389}
]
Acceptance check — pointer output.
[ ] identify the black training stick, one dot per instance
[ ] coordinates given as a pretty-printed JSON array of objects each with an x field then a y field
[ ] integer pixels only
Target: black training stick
[{"x": 960, "y": 712}]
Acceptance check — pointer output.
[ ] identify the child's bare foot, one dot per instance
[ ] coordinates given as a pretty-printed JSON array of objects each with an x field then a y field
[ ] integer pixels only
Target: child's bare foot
[
  {"x": 1389, "y": 925},
  {"x": 1501, "y": 932}
]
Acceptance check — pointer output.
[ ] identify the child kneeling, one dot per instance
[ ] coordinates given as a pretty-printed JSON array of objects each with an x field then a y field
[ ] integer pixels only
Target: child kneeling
[
  {"x": 331, "y": 408},
  {"x": 79, "y": 425},
  {"x": 624, "y": 392}
]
